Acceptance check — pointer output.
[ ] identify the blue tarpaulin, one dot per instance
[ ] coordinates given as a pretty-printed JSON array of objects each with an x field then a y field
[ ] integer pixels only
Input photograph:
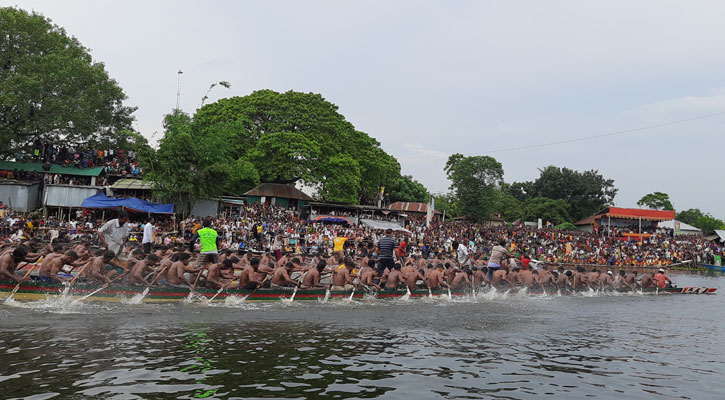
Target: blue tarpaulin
[{"x": 100, "y": 200}]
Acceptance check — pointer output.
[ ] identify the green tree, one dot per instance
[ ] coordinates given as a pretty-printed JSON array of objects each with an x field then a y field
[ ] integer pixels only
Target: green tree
[
  {"x": 342, "y": 188},
  {"x": 549, "y": 210},
  {"x": 656, "y": 201},
  {"x": 299, "y": 136},
  {"x": 475, "y": 181},
  {"x": 586, "y": 192},
  {"x": 51, "y": 90},
  {"x": 188, "y": 167},
  {"x": 510, "y": 208},
  {"x": 703, "y": 221},
  {"x": 446, "y": 202},
  {"x": 406, "y": 188}
]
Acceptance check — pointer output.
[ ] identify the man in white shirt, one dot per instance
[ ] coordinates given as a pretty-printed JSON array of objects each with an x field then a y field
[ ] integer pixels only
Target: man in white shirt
[
  {"x": 462, "y": 253},
  {"x": 113, "y": 233},
  {"x": 148, "y": 234}
]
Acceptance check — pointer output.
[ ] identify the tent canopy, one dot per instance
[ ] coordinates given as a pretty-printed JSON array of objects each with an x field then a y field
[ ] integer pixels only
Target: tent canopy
[
  {"x": 375, "y": 224},
  {"x": 635, "y": 213},
  {"x": 100, "y": 200}
]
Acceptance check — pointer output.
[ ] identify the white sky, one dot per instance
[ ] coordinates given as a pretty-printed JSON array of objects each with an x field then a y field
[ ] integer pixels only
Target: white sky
[{"x": 429, "y": 79}]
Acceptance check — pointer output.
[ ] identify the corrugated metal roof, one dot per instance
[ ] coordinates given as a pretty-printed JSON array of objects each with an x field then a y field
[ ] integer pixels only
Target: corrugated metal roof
[
  {"x": 135, "y": 184},
  {"x": 278, "y": 190},
  {"x": 54, "y": 169},
  {"x": 411, "y": 206},
  {"x": 683, "y": 226}
]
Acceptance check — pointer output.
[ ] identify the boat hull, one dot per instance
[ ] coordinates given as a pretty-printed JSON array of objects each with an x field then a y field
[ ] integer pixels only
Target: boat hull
[{"x": 35, "y": 290}]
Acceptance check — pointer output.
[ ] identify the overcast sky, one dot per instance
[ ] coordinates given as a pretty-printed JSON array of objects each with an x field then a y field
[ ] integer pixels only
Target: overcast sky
[{"x": 429, "y": 79}]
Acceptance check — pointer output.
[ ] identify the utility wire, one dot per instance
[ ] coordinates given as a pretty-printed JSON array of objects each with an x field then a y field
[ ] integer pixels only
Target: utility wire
[{"x": 581, "y": 139}]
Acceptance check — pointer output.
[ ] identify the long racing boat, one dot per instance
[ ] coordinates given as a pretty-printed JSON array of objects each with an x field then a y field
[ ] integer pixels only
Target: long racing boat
[{"x": 34, "y": 290}]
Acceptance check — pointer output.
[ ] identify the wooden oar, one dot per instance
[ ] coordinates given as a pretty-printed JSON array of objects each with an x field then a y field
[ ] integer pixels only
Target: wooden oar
[
  {"x": 221, "y": 289},
  {"x": 78, "y": 275},
  {"x": 255, "y": 289},
  {"x": 19, "y": 283},
  {"x": 299, "y": 282},
  {"x": 99, "y": 289},
  {"x": 191, "y": 289},
  {"x": 156, "y": 278}
]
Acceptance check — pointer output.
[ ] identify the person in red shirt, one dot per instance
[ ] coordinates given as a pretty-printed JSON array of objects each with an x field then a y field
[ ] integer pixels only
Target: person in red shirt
[
  {"x": 525, "y": 261},
  {"x": 661, "y": 280}
]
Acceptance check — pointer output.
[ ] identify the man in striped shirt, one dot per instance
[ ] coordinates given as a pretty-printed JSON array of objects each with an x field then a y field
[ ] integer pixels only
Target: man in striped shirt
[{"x": 386, "y": 247}]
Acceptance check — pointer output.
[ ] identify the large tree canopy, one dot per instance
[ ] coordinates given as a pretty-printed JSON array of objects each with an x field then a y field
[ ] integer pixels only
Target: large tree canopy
[
  {"x": 293, "y": 136},
  {"x": 656, "y": 201},
  {"x": 405, "y": 188},
  {"x": 706, "y": 222},
  {"x": 51, "y": 90},
  {"x": 475, "y": 181},
  {"x": 586, "y": 192}
]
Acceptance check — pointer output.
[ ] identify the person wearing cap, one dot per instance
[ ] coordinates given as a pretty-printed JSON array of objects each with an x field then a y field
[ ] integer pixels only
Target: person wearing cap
[{"x": 661, "y": 280}]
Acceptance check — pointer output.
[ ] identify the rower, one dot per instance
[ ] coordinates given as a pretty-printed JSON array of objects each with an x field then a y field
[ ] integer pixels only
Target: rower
[
  {"x": 395, "y": 278},
  {"x": 661, "y": 280},
  {"x": 311, "y": 279},
  {"x": 281, "y": 277},
  {"x": 606, "y": 280},
  {"x": 342, "y": 279},
  {"x": 462, "y": 279},
  {"x": 9, "y": 262},
  {"x": 141, "y": 268},
  {"x": 49, "y": 271},
  {"x": 436, "y": 280}
]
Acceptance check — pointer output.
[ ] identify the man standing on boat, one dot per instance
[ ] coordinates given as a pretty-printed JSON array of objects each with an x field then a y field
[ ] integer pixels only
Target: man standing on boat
[
  {"x": 113, "y": 234},
  {"x": 209, "y": 239},
  {"x": 498, "y": 254},
  {"x": 386, "y": 246},
  {"x": 148, "y": 233}
]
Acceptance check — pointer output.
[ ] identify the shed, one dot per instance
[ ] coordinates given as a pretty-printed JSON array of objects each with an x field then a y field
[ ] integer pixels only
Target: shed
[
  {"x": 67, "y": 195},
  {"x": 683, "y": 229},
  {"x": 20, "y": 196},
  {"x": 277, "y": 194}
]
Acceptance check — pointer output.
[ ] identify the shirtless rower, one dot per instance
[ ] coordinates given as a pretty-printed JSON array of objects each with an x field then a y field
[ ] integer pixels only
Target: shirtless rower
[
  {"x": 342, "y": 279},
  {"x": 311, "y": 280},
  {"x": 214, "y": 274},
  {"x": 436, "y": 280},
  {"x": 395, "y": 278},
  {"x": 176, "y": 275},
  {"x": 413, "y": 277},
  {"x": 563, "y": 280},
  {"x": 141, "y": 268},
  {"x": 9, "y": 262},
  {"x": 479, "y": 276},
  {"x": 251, "y": 278},
  {"x": 49, "y": 269},
  {"x": 368, "y": 275},
  {"x": 96, "y": 271},
  {"x": 580, "y": 279},
  {"x": 606, "y": 280},
  {"x": 499, "y": 278},
  {"x": 631, "y": 279},
  {"x": 529, "y": 278},
  {"x": 281, "y": 278},
  {"x": 647, "y": 281},
  {"x": 620, "y": 281},
  {"x": 593, "y": 279},
  {"x": 462, "y": 279}
]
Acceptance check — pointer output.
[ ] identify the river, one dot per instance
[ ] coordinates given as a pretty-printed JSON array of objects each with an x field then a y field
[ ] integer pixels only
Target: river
[{"x": 502, "y": 347}]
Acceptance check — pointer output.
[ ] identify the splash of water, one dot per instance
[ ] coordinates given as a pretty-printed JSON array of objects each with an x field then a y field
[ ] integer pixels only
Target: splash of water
[{"x": 138, "y": 298}]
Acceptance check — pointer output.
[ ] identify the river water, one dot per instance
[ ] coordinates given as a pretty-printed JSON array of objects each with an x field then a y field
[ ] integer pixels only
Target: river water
[{"x": 625, "y": 347}]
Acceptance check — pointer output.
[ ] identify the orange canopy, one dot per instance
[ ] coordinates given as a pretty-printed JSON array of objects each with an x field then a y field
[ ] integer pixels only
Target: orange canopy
[{"x": 636, "y": 213}]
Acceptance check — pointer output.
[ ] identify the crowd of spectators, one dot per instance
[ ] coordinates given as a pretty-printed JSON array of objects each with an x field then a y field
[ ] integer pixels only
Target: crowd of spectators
[{"x": 266, "y": 227}]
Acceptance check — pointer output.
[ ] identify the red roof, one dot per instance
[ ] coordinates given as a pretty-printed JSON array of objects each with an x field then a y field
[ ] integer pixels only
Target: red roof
[
  {"x": 635, "y": 213},
  {"x": 410, "y": 206},
  {"x": 585, "y": 221}
]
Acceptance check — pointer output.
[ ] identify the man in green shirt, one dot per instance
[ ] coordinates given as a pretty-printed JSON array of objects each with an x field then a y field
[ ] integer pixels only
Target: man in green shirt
[{"x": 209, "y": 240}]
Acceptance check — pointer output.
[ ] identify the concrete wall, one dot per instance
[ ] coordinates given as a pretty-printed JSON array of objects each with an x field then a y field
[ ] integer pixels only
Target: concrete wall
[
  {"x": 67, "y": 195},
  {"x": 20, "y": 197}
]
